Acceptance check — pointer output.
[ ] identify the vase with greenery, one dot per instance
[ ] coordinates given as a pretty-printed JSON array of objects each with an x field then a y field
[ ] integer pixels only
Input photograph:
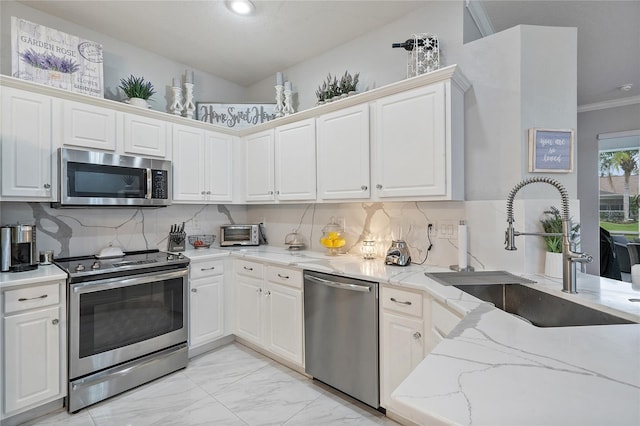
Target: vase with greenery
[
  {"x": 552, "y": 223},
  {"x": 137, "y": 88}
]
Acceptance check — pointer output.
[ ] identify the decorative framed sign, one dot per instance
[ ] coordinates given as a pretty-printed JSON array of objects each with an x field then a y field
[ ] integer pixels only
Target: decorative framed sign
[
  {"x": 234, "y": 116},
  {"x": 550, "y": 151},
  {"x": 48, "y": 56}
]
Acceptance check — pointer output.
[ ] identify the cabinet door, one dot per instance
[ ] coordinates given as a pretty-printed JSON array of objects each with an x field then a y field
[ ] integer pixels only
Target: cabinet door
[
  {"x": 206, "y": 310},
  {"x": 145, "y": 136},
  {"x": 32, "y": 357},
  {"x": 219, "y": 167},
  {"x": 283, "y": 311},
  {"x": 410, "y": 145},
  {"x": 188, "y": 164},
  {"x": 259, "y": 167},
  {"x": 343, "y": 154},
  {"x": 88, "y": 126},
  {"x": 249, "y": 309},
  {"x": 27, "y": 148},
  {"x": 295, "y": 161},
  {"x": 402, "y": 351}
]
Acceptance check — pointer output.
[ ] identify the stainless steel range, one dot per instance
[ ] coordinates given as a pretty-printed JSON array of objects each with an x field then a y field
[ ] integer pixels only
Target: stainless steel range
[{"x": 127, "y": 320}]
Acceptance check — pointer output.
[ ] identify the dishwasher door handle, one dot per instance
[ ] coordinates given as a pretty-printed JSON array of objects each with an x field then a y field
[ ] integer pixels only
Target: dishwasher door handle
[{"x": 344, "y": 286}]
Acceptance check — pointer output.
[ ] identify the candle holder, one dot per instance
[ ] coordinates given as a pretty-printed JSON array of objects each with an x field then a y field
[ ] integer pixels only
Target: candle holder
[
  {"x": 368, "y": 249},
  {"x": 288, "y": 105},
  {"x": 189, "y": 106},
  {"x": 176, "y": 103},
  {"x": 278, "y": 110}
]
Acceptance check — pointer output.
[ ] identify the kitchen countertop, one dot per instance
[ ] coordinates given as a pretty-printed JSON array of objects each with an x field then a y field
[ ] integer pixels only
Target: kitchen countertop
[{"x": 492, "y": 368}]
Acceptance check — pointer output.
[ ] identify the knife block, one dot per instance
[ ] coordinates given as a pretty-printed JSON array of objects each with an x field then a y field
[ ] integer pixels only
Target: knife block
[{"x": 176, "y": 241}]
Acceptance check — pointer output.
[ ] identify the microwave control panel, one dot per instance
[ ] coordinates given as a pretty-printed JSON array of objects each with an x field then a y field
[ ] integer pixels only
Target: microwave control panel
[{"x": 159, "y": 182}]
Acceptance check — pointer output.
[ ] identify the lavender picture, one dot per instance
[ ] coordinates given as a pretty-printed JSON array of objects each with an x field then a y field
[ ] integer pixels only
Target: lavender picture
[{"x": 48, "y": 56}]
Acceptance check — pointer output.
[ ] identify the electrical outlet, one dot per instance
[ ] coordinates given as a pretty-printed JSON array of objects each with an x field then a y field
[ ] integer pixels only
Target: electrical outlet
[
  {"x": 448, "y": 229},
  {"x": 195, "y": 223}
]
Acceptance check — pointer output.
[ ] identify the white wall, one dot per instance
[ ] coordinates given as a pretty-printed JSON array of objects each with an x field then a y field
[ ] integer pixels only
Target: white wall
[
  {"x": 590, "y": 124},
  {"x": 371, "y": 54},
  {"x": 120, "y": 60}
]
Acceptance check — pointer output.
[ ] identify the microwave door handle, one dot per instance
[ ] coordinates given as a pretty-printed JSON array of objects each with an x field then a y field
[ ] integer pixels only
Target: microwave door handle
[{"x": 149, "y": 186}]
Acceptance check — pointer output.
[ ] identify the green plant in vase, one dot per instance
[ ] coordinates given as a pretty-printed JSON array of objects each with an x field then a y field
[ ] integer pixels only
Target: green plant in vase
[
  {"x": 552, "y": 223},
  {"x": 137, "y": 88}
]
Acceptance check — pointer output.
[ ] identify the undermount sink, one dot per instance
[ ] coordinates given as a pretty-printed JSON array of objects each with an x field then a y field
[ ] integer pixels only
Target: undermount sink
[{"x": 539, "y": 308}]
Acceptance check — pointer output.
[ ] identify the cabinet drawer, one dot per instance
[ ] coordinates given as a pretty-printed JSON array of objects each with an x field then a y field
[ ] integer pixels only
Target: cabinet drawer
[
  {"x": 286, "y": 276},
  {"x": 402, "y": 301},
  {"x": 442, "y": 319},
  {"x": 31, "y": 297},
  {"x": 207, "y": 268},
  {"x": 250, "y": 269}
]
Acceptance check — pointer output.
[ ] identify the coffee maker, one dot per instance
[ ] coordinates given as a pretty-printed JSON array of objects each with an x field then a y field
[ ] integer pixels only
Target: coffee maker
[{"x": 18, "y": 248}]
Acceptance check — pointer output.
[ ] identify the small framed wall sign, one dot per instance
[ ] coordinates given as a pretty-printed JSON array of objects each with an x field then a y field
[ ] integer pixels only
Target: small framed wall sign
[
  {"x": 550, "y": 151},
  {"x": 235, "y": 116}
]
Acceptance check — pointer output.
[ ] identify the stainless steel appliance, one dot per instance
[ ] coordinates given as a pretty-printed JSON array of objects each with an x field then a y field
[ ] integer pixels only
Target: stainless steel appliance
[
  {"x": 127, "y": 321},
  {"x": 89, "y": 178},
  {"x": 242, "y": 235},
  {"x": 398, "y": 254},
  {"x": 341, "y": 334},
  {"x": 18, "y": 248}
]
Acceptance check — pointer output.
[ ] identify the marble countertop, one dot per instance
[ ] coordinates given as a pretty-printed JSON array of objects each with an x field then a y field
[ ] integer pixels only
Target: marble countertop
[
  {"x": 35, "y": 276},
  {"x": 492, "y": 368}
]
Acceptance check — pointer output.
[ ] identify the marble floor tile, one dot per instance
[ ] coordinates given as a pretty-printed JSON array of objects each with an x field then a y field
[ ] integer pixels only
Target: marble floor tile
[{"x": 230, "y": 386}]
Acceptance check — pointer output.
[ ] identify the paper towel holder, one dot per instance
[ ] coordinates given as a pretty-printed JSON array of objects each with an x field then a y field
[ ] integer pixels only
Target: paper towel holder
[{"x": 462, "y": 250}]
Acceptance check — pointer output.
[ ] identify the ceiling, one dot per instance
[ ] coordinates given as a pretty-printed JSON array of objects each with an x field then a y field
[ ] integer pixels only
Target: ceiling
[{"x": 283, "y": 33}]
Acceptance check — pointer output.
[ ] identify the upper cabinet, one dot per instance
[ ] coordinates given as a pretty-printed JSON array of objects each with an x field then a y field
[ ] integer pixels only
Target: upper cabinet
[
  {"x": 28, "y": 154},
  {"x": 259, "y": 166},
  {"x": 343, "y": 154},
  {"x": 295, "y": 161},
  {"x": 414, "y": 146},
  {"x": 88, "y": 126},
  {"x": 145, "y": 136},
  {"x": 202, "y": 165}
]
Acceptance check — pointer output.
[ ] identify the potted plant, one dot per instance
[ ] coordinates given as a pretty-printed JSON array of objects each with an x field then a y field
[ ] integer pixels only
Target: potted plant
[
  {"x": 552, "y": 223},
  {"x": 137, "y": 90}
]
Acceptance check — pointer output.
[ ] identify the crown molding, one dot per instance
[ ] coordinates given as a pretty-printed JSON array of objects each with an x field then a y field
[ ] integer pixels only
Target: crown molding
[
  {"x": 480, "y": 17},
  {"x": 631, "y": 100}
]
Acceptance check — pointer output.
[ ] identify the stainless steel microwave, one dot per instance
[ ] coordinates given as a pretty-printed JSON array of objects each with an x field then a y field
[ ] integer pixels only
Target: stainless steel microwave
[
  {"x": 242, "y": 235},
  {"x": 91, "y": 178}
]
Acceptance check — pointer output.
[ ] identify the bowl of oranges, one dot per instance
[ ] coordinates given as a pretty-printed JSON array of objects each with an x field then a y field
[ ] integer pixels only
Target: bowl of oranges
[{"x": 201, "y": 241}]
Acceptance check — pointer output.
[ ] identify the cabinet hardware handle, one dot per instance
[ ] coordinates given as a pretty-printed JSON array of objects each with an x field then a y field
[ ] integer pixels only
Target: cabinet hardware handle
[
  {"x": 55, "y": 321},
  {"x": 208, "y": 192},
  {"x": 270, "y": 192},
  {"x": 267, "y": 293},
  {"x": 277, "y": 192},
  {"x": 246, "y": 268},
  {"x": 417, "y": 335},
  {"x": 194, "y": 290},
  {"x": 47, "y": 186},
  {"x": 364, "y": 187},
  {"x": 208, "y": 269},
  {"x": 379, "y": 186},
  {"x": 286, "y": 277},
  {"x": 202, "y": 192},
  {"x": 259, "y": 290},
  {"x": 393, "y": 299},
  {"x": 24, "y": 299}
]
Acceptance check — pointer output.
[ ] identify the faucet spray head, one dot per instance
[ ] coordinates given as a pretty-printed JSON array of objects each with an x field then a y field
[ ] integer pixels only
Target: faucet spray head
[{"x": 510, "y": 238}]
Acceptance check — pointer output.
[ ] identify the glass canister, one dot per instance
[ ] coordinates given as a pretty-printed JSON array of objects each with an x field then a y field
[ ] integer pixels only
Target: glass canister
[{"x": 333, "y": 237}]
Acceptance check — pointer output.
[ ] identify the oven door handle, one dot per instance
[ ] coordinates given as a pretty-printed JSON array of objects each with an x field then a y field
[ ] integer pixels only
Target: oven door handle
[{"x": 91, "y": 286}]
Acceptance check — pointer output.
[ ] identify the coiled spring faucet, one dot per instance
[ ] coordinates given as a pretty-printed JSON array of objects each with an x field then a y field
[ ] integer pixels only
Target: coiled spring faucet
[{"x": 569, "y": 257}]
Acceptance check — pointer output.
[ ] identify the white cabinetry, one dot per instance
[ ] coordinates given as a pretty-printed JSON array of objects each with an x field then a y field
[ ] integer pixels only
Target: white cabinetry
[
  {"x": 28, "y": 154},
  {"x": 202, "y": 165},
  {"x": 269, "y": 308},
  {"x": 145, "y": 136},
  {"x": 416, "y": 145},
  {"x": 88, "y": 126},
  {"x": 206, "y": 301},
  {"x": 343, "y": 154},
  {"x": 280, "y": 164},
  {"x": 402, "y": 341},
  {"x": 34, "y": 351}
]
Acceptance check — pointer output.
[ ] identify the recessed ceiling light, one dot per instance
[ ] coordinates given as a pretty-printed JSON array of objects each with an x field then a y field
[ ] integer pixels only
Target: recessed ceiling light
[
  {"x": 241, "y": 7},
  {"x": 626, "y": 87}
]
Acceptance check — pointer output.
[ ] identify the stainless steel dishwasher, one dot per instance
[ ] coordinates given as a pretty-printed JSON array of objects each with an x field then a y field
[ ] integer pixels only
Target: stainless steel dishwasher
[{"x": 341, "y": 334}]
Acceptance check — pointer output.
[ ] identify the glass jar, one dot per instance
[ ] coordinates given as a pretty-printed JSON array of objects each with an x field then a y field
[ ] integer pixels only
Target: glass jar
[{"x": 333, "y": 237}]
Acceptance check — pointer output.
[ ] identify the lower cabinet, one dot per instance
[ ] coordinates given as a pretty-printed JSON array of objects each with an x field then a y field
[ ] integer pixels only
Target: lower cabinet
[
  {"x": 206, "y": 301},
  {"x": 269, "y": 308},
  {"x": 34, "y": 346},
  {"x": 402, "y": 340}
]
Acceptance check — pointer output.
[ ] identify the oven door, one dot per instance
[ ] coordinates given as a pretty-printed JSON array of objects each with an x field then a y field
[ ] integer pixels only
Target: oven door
[{"x": 116, "y": 320}]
